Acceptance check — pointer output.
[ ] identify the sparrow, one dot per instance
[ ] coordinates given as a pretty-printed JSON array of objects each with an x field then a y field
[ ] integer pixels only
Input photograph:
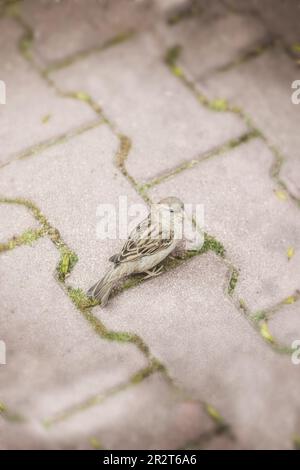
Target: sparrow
[{"x": 150, "y": 242}]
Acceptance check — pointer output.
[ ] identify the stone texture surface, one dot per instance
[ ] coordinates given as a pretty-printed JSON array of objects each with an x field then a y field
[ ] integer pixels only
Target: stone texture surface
[
  {"x": 54, "y": 358},
  {"x": 168, "y": 421},
  {"x": 239, "y": 209},
  {"x": 203, "y": 52},
  {"x": 279, "y": 17},
  {"x": 78, "y": 28},
  {"x": 152, "y": 107},
  {"x": 30, "y": 102},
  {"x": 69, "y": 182},
  {"x": 285, "y": 324},
  {"x": 239, "y": 86},
  {"x": 14, "y": 221},
  {"x": 212, "y": 351},
  {"x": 64, "y": 386}
]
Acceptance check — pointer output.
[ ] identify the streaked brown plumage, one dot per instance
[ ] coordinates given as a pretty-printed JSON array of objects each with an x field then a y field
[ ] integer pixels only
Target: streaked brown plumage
[{"x": 148, "y": 244}]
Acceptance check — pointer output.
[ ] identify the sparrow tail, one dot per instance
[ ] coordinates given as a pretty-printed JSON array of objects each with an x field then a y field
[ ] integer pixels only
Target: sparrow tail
[{"x": 102, "y": 289}]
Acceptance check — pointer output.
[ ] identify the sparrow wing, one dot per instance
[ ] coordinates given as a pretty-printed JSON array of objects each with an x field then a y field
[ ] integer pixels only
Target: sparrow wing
[{"x": 145, "y": 240}]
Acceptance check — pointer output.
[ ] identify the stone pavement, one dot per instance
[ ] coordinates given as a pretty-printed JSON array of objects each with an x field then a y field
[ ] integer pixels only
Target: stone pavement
[{"x": 147, "y": 99}]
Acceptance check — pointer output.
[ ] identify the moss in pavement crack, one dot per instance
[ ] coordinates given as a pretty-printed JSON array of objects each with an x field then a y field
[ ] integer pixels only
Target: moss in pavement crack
[
  {"x": 229, "y": 145},
  {"x": 77, "y": 56},
  {"x": 97, "y": 399},
  {"x": 233, "y": 281},
  {"x": 222, "y": 105},
  {"x": 68, "y": 259},
  {"x": 10, "y": 415},
  {"x": 26, "y": 238}
]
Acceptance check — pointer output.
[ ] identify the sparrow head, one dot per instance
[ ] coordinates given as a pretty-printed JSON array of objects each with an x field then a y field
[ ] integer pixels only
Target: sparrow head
[{"x": 171, "y": 204}]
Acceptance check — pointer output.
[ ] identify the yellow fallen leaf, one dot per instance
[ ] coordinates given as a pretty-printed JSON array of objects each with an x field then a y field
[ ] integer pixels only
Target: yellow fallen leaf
[
  {"x": 290, "y": 300},
  {"x": 213, "y": 413},
  {"x": 281, "y": 195},
  {"x": 2, "y": 407},
  {"x": 290, "y": 252},
  {"x": 264, "y": 330},
  {"x": 296, "y": 47},
  {"x": 177, "y": 71},
  {"x": 82, "y": 96},
  {"x": 95, "y": 443},
  {"x": 46, "y": 118},
  {"x": 296, "y": 441},
  {"x": 219, "y": 105}
]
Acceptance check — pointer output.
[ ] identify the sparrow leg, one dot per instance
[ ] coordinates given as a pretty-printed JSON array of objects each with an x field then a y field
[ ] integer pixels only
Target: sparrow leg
[{"x": 156, "y": 271}]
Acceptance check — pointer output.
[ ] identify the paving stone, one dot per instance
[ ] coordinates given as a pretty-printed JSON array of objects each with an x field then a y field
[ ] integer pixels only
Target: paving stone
[
  {"x": 242, "y": 210},
  {"x": 17, "y": 436},
  {"x": 280, "y": 17},
  {"x": 78, "y": 28},
  {"x": 152, "y": 107},
  {"x": 169, "y": 6},
  {"x": 69, "y": 182},
  {"x": 14, "y": 220},
  {"x": 212, "y": 351},
  {"x": 33, "y": 112},
  {"x": 54, "y": 357},
  {"x": 168, "y": 421},
  {"x": 209, "y": 42},
  {"x": 275, "y": 73},
  {"x": 285, "y": 324},
  {"x": 223, "y": 442}
]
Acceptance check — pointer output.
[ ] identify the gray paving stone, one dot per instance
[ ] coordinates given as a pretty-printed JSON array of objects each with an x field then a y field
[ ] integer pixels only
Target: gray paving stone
[
  {"x": 223, "y": 442},
  {"x": 138, "y": 93},
  {"x": 209, "y": 43},
  {"x": 269, "y": 104},
  {"x": 285, "y": 324},
  {"x": 14, "y": 221},
  {"x": 69, "y": 182},
  {"x": 239, "y": 209},
  {"x": 22, "y": 435},
  {"x": 167, "y": 5},
  {"x": 147, "y": 416},
  {"x": 212, "y": 351},
  {"x": 78, "y": 28},
  {"x": 33, "y": 113},
  {"x": 54, "y": 357},
  {"x": 280, "y": 17}
]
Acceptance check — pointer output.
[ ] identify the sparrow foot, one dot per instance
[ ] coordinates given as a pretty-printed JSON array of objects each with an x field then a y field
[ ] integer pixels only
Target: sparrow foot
[{"x": 156, "y": 271}]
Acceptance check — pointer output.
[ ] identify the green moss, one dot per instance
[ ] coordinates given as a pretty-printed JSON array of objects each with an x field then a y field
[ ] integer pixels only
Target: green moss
[
  {"x": 46, "y": 118},
  {"x": 296, "y": 48},
  {"x": 119, "y": 38},
  {"x": 26, "y": 238},
  {"x": 172, "y": 55},
  {"x": 80, "y": 299},
  {"x": 9, "y": 415},
  {"x": 11, "y": 8},
  {"x": 67, "y": 261},
  {"x": 218, "y": 105},
  {"x": 132, "y": 282},
  {"x": 188, "y": 11},
  {"x": 123, "y": 150},
  {"x": 259, "y": 316},
  {"x": 155, "y": 366},
  {"x": 296, "y": 441},
  {"x": 26, "y": 43},
  {"x": 68, "y": 61},
  {"x": 212, "y": 244},
  {"x": 233, "y": 281},
  {"x": 95, "y": 443},
  {"x": 242, "y": 306}
]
